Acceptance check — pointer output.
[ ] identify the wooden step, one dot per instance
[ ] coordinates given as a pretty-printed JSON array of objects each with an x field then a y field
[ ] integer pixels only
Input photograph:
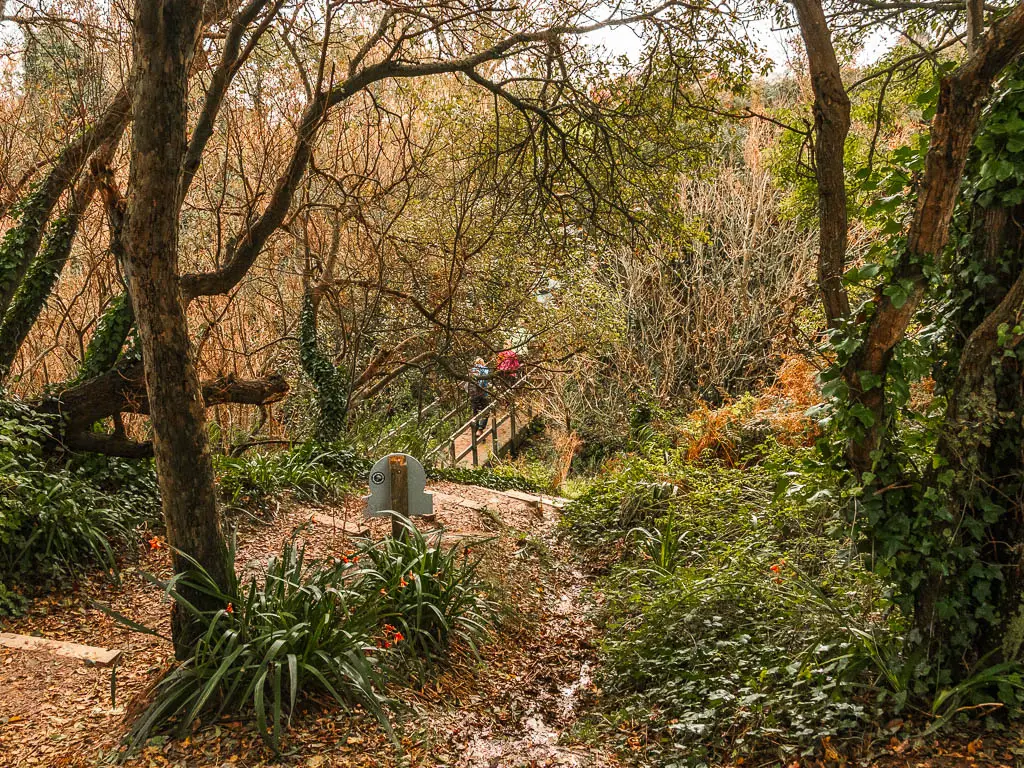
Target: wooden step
[
  {"x": 554, "y": 501},
  {"x": 101, "y": 657},
  {"x": 536, "y": 500},
  {"x": 447, "y": 498},
  {"x": 356, "y": 528},
  {"x": 526, "y": 498}
]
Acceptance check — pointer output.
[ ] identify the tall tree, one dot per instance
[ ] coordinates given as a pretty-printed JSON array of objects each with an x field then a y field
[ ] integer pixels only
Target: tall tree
[
  {"x": 930, "y": 529},
  {"x": 165, "y": 35},
  {"x": 532, "y": 61}
]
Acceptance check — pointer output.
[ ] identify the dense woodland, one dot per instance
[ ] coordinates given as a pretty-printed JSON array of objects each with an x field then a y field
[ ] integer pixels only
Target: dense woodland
[{"x": 759, "y": 497}]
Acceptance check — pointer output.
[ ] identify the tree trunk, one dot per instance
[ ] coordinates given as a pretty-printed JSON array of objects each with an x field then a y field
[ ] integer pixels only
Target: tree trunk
[
  {"x": 831, "y": 126},
  {"x": 982, "y": 437},
  {"x": 31, "y": 295},
  {"x": 165, "y": 38}
]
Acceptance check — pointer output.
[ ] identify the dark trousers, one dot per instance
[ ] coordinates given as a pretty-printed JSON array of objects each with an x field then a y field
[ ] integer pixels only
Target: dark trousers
[{"x": 478, "y": 402}]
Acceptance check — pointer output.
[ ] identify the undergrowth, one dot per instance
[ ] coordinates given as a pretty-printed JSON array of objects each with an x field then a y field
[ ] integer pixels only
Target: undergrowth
[
  {"x": 502, "y": 477},
  {"x": 314, "y": 472},
  {"x": 311, "y": 472},
  {"x": 340, "y": 627},
  {"x": 56, "y": 519},
  {"x": 736, "y": 619}
]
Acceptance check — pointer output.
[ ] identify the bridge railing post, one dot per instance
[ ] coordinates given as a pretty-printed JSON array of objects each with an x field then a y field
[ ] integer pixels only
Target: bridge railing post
[
  {"x": 512, "y": 428},
  {"x": 472, "y": 439},
  {"x": 494, "y": 433}
]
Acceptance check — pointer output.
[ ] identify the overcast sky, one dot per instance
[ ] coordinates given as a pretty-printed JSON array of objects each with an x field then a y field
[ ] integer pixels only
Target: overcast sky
[{"x": 776, "y": 43}]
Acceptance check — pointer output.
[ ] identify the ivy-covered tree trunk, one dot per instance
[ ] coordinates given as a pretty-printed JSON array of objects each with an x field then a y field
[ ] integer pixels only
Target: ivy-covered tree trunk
[
  {"x": 112, "y": 331},
  {"x": 44, "y": 270},
  {"x": 980, "y": 465},
  {"x": 165, "y": 36},
  {"x": 329, "y": 380},
  {"x": 21, "y": 242}
]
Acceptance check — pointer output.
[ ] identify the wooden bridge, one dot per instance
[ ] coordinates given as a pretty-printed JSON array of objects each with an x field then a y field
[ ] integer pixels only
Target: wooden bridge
[{"x": 507, "y": 422}]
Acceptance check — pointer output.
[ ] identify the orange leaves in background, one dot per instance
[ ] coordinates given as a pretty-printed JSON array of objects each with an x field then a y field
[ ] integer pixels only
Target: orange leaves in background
[{"x": 780, "y": 410}]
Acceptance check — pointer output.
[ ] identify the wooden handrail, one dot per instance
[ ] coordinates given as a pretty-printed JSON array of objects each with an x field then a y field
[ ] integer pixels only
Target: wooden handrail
[
  {"x": 449, "y": 442},
  {"x": 429, "y": 407}
]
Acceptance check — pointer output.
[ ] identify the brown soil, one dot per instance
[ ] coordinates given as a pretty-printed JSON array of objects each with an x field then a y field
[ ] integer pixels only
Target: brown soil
[{"x": 515, "y": 706}]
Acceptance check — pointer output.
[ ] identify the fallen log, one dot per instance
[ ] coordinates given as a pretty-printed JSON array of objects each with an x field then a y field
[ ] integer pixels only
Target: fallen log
[{"x": 123, "y": 390}]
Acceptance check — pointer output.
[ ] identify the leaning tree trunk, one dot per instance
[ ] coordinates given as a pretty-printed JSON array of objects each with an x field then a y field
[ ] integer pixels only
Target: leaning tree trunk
[{"x": 165, "y": 40}]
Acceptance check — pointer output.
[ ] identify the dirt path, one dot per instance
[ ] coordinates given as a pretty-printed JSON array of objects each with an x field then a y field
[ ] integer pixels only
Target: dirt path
[{"x": 516, "y": 706}]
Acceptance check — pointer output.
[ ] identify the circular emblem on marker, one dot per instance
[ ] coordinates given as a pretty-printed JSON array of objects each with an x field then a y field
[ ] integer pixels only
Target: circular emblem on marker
[{"x": 377, "y": 478}]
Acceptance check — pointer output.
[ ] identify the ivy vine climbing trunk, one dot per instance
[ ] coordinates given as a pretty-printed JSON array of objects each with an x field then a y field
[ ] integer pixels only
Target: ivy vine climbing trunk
[
  {"x": 962, "y": 95},
  {"x": 21, "y": 242},
  {"x": 947, "y": 536},
  {"x": 329, "y": 380},
  {"x": 44, "y": 270},
  {"x": 165, "y": 35}
]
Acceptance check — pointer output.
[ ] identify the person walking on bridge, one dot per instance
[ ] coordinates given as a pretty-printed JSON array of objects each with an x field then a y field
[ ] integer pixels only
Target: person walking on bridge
[
  {"x": 508, "y": 365},
  {"x": 479, "y": 391}
]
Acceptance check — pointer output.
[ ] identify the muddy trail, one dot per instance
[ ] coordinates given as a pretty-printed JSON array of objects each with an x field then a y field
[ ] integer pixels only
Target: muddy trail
[{"x": 514, "y": 705}]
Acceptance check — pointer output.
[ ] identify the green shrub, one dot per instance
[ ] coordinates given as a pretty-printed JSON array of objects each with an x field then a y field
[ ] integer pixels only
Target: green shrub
[
  {"x": 734, "y": 621},
  {"x": 431, "y": 594},
  {"x": 614, "y": 503},
  {"x": 309, "y": 471},
  {"x": 499, "y": 479},
  {"x": 56, "y": 519},
  {"x": 734, "y": 659},
  {"x": 303, "y": 629},
  {"x": 338, "y": 627}
]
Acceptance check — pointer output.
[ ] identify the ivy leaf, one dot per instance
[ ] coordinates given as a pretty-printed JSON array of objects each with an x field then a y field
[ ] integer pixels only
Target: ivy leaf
[{"x": 863, "y": 414}]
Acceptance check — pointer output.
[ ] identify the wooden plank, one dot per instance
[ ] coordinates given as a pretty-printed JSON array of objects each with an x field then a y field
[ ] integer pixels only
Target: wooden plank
[
  {"x": 447, "y": 498},
  {"x": 554, "y": 501},
  {"x": 529, "y": 498},
  {"x": 526, "y": 498},
  {"x": 399, "y": 494},
  {"x": 348, "y": 527},
  {"x": 101, "y": 657}
]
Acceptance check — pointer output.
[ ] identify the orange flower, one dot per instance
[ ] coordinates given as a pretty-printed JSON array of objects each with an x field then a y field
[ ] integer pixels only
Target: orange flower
[
  {"x": 355, "y": 559},
  {"x": 403, "y": 583},
  {"x": 399, "y": 637},
  {"x": 155, "y": 543},
  {"x": 774, "y": 568},
  {"x": 383, "y": 591},
  {"x": 230, "y": 608},
  {"x": 344, "y": 559}
]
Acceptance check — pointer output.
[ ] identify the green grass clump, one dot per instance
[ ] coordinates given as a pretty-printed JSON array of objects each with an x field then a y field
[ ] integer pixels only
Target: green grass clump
[
  {"x": 501, "y": 478},
  {"x": 309, "y": 471},
  {"x": 432, "y": 595}
]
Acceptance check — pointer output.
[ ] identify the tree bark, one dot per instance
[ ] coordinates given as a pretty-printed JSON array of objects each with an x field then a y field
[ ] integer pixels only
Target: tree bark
[
  {"x": 17, "y": 253},
  {"x": 123, "y": 390},
  {"x": 165, "y": 34},
  {"x": 961, "y": 98},
  {"x": 831, "y": 126},
  {"x": 39, "y": 279}
]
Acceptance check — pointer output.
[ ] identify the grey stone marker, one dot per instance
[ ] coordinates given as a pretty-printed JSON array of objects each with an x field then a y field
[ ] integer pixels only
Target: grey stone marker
[{"x": 378, "y": 503}]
